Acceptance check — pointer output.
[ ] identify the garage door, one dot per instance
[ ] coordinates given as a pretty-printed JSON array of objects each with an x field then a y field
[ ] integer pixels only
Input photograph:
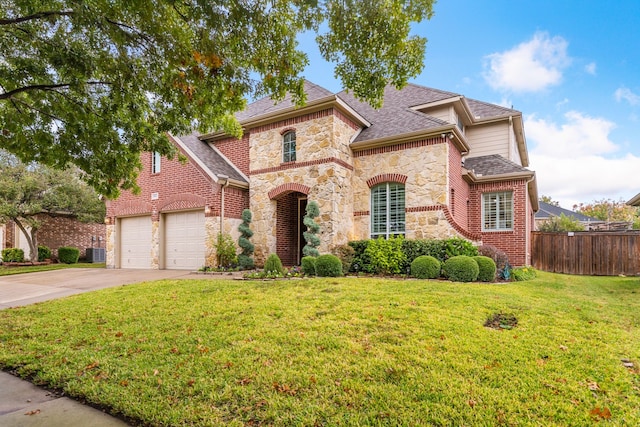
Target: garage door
[
  {"x": 184, "y": 247},
  {"x": 135, "y": 242}
]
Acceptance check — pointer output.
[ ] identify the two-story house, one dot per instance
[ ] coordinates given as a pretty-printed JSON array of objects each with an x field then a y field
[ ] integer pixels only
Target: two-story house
[{"x": 428, "y": 164}]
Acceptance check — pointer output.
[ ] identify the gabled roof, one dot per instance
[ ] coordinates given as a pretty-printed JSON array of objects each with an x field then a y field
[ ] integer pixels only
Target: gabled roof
[
  {"x": 547, "y": 211},
  {"x": 493, "y": 165},
  {"x": 266, "y": 105},
  {"x": 635, "y": 200},
  {"x": 215, "y": 164}
]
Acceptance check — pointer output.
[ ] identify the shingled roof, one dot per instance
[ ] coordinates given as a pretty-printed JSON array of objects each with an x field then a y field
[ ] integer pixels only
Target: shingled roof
[
  {"x": 210, "y": 158},
  {"x": 548, "y": 211},
  {"x": 491, "y": 165}
]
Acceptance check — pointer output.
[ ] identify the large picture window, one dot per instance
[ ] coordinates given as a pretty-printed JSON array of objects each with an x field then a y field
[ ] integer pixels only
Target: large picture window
[
  {"x": 497, "y": 211},
  {"x": 289, "y": 147},
  {"x": 387, "y": 210}
]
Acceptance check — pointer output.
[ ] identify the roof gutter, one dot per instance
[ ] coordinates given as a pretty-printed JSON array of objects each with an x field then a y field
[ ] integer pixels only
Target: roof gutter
[{"x": 448, "y": 131}]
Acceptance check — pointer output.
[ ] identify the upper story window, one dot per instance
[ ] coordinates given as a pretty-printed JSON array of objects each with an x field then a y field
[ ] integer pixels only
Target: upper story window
[
  {"x": 387, "y": 210},
  {"x": 155, "y": 162},
  {"x": 289, "y": 147},
  {"x": 497, "y": 211}
]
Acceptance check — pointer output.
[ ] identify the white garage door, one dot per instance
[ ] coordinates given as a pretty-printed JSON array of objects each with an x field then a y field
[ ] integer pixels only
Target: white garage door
[
  {"x": 135, "y": 242},
  {"x": 184, "y": 247}
]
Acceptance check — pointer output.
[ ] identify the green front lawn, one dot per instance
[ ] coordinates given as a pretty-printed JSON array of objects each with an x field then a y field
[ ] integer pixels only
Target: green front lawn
[
  {"x": 350, "y": 351},
  {"x": 6, "y": 271}
]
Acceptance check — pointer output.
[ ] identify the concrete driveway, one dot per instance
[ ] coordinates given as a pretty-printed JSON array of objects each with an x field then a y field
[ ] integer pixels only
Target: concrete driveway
[{"x": 29, "y": 288}]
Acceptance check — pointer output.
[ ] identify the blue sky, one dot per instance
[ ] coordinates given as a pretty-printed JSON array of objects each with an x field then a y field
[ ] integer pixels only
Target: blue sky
[{"x": 571, "y": 67}]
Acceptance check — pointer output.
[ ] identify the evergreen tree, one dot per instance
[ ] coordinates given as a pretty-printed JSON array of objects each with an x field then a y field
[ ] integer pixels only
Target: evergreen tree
[
  {"x": 245, "y": 261},
  {"x": 310, "y": 236}
]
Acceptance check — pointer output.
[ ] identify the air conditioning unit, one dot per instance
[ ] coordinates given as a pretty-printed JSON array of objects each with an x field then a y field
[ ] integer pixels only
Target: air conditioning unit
[{"x": 96, "y": 255}]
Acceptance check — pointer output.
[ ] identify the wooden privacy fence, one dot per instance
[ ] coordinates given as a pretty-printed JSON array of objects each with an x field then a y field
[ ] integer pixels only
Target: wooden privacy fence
[{"x": 587, "y": 253}]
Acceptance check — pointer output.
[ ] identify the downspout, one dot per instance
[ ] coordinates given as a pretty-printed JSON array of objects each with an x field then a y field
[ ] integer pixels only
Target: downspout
[{"x": 224, "y": 182}]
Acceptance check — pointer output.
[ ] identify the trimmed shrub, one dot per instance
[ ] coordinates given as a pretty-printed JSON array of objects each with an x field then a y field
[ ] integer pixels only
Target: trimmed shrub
[
  {"x": 68, "y": 255},
  {"x": 486, "y": 268},
  {"x": 346, "y": 254},
  {"x": 311, "y": 235},
  {"x": 522, "y": 274},
  {"x": 386, "y": 256},
  {"x": 12, "y": 255},
  {"x": 274, "y": 265},
  {"x": 425, "y": 267},
  {"x": 412, "y": 249},
  {"x": 308, "y": 264},
  {"x": 328, "y": 265},
  {"x": 43, "y": 253},
  {"x": 461, "y": 268}
]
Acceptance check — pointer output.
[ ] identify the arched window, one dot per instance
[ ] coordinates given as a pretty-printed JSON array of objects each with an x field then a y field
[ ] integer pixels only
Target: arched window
[
  {"x": 289, "y": 147},
  {"x": 387, "y": 210}
]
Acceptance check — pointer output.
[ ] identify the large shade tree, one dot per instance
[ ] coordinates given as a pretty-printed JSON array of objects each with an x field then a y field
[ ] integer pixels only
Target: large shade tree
[
  {"x": 30, "y": 192},
  {"x": 94, "y": 82}
]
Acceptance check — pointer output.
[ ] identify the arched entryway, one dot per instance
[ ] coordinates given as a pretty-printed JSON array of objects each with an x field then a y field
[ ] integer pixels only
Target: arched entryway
[{"x": 291, "y": 200}]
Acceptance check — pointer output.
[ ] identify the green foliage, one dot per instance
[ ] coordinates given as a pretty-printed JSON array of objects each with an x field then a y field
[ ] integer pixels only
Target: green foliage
[
  {"x": 245, "y": 261},
  {"x": 132, "y": 71},
  {"x": 361, "y": 261},
  {"x": 425, "y": 267},
  {"x": 308, "y": 264},
  {"x": 386, "y": 256},
  {"x": 310, "y": 236},
  {"x": 273, "y": 264},
  {"x": 346, "y": 255},
  {"x": 29, "y": 192},
  {"x": 328, "y": 265},
  {"x": 43, "y": 253},
  {"x": 68, "y": 255},
  {"x": 457, "y": 246},
  {"x": 226, "y": 251},
  {"x": 561, "y": 223},
  {"x": 12, "y": 255},
  {"x": 522, "y": 274},
  {"x": 609, "y": 210},
  {"x": 461, "y": 268},
  {"x": 415, "y": 248},
  {"x": 486, "y": 268}
]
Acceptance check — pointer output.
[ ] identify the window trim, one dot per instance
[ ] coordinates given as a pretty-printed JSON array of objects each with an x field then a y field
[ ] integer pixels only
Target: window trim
[
  {"x": 508, "y": 197},
  {"x": 289, "y": 147},
  {"x": 389, "y": 211},
  {"x": 155, "y": 162}
]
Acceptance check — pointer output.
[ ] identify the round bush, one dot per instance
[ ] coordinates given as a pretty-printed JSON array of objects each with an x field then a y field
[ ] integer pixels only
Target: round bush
[
  {"x": 68, "y": 255},
  {"x": 43, "y": 253},
  {"x": 461, "y": 268},
  {"x": 487, "y": 268},
  {"x": 308, "y": 264},
  {"x": 273, "y": 264},
  {"x": 328, "y": 266},
  {"x": 425, "y": 267}
]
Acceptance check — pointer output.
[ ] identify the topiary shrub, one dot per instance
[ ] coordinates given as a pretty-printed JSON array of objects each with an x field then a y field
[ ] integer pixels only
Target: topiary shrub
[
  {"x": 328, "y": 265},
  {"x": 461, "y": 268},
  {"x": 68, "y": 255},
  {"x": 308, "y": 264},
  {"x": 274, "y": 265},
  {"x": 245, "y": 262},
  {"x": 12, "y": 255},
  {"x": 425, "y": 267},
  {"x": 311, "y": 235},
  {"x": 486, "y": 268},
  {"x": 43, "y": 253}
]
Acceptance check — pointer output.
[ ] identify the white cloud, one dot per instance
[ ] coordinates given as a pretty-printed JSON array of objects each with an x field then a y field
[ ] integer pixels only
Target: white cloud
[
  {"x": 626, "y": 94},
  {"x": 573, "y": 161},
  {"x": 529, "y": 67},
  {"x": 590, "y": 68}
]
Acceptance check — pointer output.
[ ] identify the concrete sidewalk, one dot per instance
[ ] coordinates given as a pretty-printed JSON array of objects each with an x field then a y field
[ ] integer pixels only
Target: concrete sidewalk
[{"x": 23, "y": 404}]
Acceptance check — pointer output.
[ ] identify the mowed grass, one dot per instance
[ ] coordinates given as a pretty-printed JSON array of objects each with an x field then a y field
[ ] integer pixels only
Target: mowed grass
[
  {"x": 7, "y": 271},
  {"x": 349, "y": 351}
]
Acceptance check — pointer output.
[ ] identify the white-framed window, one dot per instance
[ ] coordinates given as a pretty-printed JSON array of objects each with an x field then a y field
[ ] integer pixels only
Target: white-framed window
[
  {"x": 387, "y": 210},
  {"x": 155, "y": 162},
  {"x": 289, "y": 147},
  {"x": 497, "y": 211}
]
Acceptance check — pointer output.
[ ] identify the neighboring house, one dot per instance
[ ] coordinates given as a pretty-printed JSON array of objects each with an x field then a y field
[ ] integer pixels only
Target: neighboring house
[
  {"x": 548, "y": 211},
  {"x": 57, "y": 231},
  {"x": 635, "y": 200},
  {"x": 428, "y": 164}
]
